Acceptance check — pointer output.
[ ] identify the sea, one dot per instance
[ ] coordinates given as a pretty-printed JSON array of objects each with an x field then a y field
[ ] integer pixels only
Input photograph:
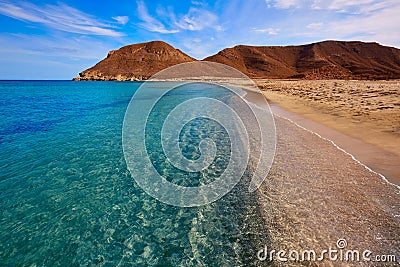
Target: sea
[{"x": 67, "y": 197}]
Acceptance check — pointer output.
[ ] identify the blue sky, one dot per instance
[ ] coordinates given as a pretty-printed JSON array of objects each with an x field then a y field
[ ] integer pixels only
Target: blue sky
[{"x": 58, "y": 39}]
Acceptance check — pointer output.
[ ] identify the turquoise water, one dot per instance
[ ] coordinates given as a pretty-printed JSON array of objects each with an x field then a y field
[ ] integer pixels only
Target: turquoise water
[{"x": 68, "y": 199}]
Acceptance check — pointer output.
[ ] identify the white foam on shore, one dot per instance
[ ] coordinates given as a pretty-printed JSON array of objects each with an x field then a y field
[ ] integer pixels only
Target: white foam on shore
[{"x": 344, "y": 151}]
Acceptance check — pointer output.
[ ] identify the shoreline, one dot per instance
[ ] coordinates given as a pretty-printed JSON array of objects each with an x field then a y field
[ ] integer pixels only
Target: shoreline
[
  {"x": 364, "y": 154},
  {"x": 317, "y": 194},
  {"x": 365, "y": 110},
  {"x": 368, "y": 133}
]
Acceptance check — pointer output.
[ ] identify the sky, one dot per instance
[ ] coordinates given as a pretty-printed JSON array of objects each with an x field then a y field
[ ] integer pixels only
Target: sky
[{"x": 59, "y": 39}]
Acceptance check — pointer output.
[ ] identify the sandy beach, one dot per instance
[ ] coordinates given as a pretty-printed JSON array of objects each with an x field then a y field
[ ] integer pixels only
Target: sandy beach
[
  {"x": 366, "y": 110},
  {"x": 316, "y": 194}
]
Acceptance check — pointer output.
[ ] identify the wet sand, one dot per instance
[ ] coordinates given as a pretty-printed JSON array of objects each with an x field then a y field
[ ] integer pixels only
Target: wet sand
[
  {"x": 316, "y": 194},
  {"x": 374, "y": 157}
]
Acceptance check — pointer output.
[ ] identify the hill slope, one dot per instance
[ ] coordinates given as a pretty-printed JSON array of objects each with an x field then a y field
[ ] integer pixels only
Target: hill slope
[
  {"x": 135, "y": 62},
  {"x": 323, "y": 60}
]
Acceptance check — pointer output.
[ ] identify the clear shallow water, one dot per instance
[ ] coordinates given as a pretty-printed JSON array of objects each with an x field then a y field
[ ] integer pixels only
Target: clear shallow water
[{"x": 67, "y": 198}]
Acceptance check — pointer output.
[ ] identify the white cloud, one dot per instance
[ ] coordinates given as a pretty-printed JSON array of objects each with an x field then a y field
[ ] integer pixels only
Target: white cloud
[
  {"x": 374, "y": 7},
  {"x": 150, "y": 23},
  {"x": 197, "y": 19},
  {"x": 379, "y": 26},
  {"x": 314, "y": 20},
  {"x": 76, "y": 48},
  {"x": 121, "y": 19},
  {"x": 352, "y": 6},
  {"x": 315, "y": 25},
  {"x": 344, "y": 4},
  {"x": 60, "y": 17},
  {"x": 284, "y": 4},
  {"x": 198, "y": 49},
  {"x": 270, "y": 31},
  {"x": 199, "y": 3},
  {"x": 29, "y": 56}
]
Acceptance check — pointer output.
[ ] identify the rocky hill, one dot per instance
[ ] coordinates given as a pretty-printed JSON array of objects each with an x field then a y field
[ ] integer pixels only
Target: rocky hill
[
  {"x": 323, "y": 60},
  {"x": 135, "y": 62}
]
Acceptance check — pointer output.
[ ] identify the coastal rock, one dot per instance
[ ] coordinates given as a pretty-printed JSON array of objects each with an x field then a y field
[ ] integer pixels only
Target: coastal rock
[{"x": 135, "y": 62}]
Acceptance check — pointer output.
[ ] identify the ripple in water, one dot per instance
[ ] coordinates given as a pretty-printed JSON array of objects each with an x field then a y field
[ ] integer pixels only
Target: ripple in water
[{"x": 67, "y": 198}]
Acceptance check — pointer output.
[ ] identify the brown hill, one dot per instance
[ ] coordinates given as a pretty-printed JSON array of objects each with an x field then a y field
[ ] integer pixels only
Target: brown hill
[
  {"x": 135, "y": 62},
  {"x": 323, "y": 60}
]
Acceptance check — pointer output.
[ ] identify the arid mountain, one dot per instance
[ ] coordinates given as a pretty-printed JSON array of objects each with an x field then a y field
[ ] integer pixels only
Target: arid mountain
[
  {"x": 323, "y": 60},
  {"x": 135, "y": 62}
]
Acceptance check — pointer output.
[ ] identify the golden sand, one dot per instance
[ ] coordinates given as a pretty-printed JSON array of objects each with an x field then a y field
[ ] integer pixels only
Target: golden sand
[{"x": 366, "y": 110}]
